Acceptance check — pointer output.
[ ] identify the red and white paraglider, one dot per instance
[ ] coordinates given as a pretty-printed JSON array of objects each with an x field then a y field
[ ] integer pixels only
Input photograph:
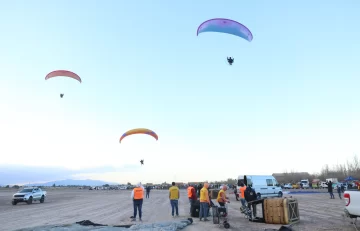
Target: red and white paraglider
[{"x": 63, "y": 73}]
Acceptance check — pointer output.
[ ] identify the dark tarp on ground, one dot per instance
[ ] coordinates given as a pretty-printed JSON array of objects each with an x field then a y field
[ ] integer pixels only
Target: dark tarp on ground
[
  {"x": 88, "y": 225},
  {"x": 282, "y": 228}
]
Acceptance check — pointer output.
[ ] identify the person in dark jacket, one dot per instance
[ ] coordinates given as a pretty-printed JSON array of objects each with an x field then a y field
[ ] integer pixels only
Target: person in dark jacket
[
  {"x": 199, "y": 187},
  {"x": 230, "y": 60},
  {"x": 339, "y": 191},
  {"x": 148, "y": 189},
  {"x": 342, "y": 188},
  {"x": 250, "y": 195},
  {"x": 330, "y": 190}
]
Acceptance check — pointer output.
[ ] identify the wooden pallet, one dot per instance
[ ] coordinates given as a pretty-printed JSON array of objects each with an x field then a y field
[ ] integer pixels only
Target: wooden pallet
[{"x": 281, "y": 211}]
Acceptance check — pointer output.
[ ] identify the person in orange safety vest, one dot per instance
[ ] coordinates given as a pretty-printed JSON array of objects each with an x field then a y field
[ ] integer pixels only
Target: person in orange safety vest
[
  {"x": 192, "y": 196},
  {"x": 137, "y": 195},
  {"x": 242, "y": 196}
]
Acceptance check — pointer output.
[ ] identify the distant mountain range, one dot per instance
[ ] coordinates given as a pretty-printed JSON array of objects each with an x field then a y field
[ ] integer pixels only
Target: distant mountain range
[
  {"x": 87, "y": 182},
  {"x": 23, "y": 174}
]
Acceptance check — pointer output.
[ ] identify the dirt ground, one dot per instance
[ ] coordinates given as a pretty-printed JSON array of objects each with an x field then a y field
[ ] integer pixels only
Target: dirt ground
[{"x": 66, "y": 206}]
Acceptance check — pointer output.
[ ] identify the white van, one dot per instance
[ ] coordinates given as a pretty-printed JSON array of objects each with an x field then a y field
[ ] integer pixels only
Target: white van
[
  {"x": 305, "y": 183},
  {"x": 264, "y": 186}
]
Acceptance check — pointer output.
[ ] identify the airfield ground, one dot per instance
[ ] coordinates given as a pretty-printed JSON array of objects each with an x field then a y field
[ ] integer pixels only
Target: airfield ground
[{"x": 67, "y": 206}]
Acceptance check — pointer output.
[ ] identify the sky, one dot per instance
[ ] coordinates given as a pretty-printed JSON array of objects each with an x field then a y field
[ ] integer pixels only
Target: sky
[{"x": 289, "y": 102}]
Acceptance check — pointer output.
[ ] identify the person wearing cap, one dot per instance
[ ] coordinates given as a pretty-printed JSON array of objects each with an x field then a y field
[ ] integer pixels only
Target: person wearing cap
[
  {"x": 137, "y": 195},
  {"x": 204, "y": 202}
]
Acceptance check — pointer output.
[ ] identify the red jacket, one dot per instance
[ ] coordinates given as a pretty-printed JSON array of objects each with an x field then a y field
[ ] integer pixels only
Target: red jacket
[{"x": 193, "y": 194}]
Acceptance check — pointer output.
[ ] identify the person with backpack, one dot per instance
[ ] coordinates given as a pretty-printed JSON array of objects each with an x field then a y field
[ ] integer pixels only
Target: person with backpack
[{"x": 250, "y": 195}]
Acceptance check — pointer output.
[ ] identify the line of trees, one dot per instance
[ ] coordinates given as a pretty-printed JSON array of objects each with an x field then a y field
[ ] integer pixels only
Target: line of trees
[
  {"x": 339, "y": 171},
  {"x": 230, "y": 181},
  {"x": 14, "y": 186}
]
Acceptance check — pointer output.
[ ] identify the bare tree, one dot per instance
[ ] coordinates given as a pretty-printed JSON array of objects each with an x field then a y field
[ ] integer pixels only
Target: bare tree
[{"x": 340, "y": 171}]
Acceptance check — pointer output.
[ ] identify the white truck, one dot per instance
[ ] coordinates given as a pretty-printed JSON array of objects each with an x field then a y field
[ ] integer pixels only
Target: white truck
[
  {"x": 29, "y": 195},
  {"x": 333, "y": 180},
  {"x": 352, "y": 203},
  {"x": 323, "y": 184}
]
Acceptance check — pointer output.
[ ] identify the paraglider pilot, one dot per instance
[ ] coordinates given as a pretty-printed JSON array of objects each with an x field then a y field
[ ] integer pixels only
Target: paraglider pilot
[
  {"x": 230, "y": 60},
  {"x": 61, "y": 95},
  {"x": 142, "y": 162}
]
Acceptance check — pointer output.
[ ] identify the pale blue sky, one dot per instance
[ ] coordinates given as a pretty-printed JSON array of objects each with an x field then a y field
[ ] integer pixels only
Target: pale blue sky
[{"x": 291, "y": 98}]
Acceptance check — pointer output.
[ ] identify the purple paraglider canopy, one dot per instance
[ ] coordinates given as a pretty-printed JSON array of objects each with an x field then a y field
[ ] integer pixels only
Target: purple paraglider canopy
[{"x": 228, "y": 26}]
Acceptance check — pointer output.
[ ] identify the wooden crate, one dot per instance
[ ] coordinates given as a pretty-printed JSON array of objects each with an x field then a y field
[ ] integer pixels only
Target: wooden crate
[{"x": 281, "y": 211}]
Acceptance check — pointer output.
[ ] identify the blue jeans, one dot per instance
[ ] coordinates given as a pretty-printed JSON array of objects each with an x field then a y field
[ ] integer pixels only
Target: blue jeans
[
  {"x": 191, "y": 204},
  {"x": 137, "y": 206},
  {"x": 331, "y": 195},
  {"x": 242, "y": 200},
  {"x": 204, "y": 208},
  {"x": 174, "y": 204},
  {"x": 147, "y": 194}
]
